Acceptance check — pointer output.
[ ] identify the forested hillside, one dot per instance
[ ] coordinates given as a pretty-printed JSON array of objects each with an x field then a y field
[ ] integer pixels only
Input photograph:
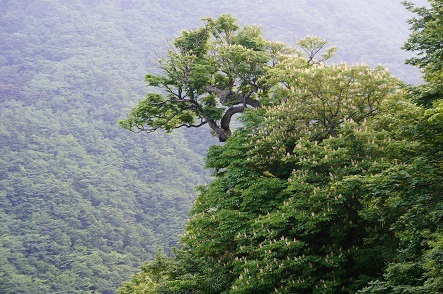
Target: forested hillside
[{"x": 83, "y": 202}]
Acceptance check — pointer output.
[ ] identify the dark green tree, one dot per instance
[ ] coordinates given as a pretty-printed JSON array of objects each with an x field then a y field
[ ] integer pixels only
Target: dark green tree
[
  {"x": 426, "y": 35},
  {"x": 426, "y": 41},
  {"x": 413, "y": 195}
]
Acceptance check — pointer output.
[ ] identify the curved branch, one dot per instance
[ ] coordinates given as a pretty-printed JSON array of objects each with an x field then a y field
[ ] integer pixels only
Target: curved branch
[{"x": 226, "y": 119}]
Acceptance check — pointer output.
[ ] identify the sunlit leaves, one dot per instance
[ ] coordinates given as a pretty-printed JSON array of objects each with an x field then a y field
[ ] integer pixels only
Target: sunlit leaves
[
  {"x": 169, "y": 116},
  {"x": 312, "y": 45},
  {"x": 328, "y": 95},
  {"x": 224, "y": 28},
  {"x": 193, "y": 42}
]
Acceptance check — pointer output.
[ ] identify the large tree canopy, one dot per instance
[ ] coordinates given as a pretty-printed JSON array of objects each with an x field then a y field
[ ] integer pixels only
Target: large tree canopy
[
  {"x": 213, "y": 73},
  {"x": 333, "y": 186},
  {"x": 284, "y": 211}
]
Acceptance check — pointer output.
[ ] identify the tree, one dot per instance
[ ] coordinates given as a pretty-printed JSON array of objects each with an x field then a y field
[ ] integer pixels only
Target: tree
[
  {"x": 211, "y": 74},
  {"x": 150, "y": 278},
  {"x": 286, "y": 200},
  {"x": 415, "y": 189},
  {"x": 333, "y": 186},
  {"x": 426, "y": 40},
  {"x": 283, "y": 213},
  {"x": 408, "y": 200},
  {"x": 426, "y": 36}
]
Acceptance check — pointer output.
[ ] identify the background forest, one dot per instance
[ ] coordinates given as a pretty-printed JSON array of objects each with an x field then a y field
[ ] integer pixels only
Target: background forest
[{"x": 84, "y": 203}]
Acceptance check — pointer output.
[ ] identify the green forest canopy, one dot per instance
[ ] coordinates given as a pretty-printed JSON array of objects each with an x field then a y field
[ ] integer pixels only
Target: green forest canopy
[{"x": 82, "y": 202}]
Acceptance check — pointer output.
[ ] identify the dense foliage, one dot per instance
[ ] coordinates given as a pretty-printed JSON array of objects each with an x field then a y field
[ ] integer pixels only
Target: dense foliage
[
  {"x": 82, "y": 202},
  {"x": 417, "y": 265},
  {"x": 333, "y": 187}
]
